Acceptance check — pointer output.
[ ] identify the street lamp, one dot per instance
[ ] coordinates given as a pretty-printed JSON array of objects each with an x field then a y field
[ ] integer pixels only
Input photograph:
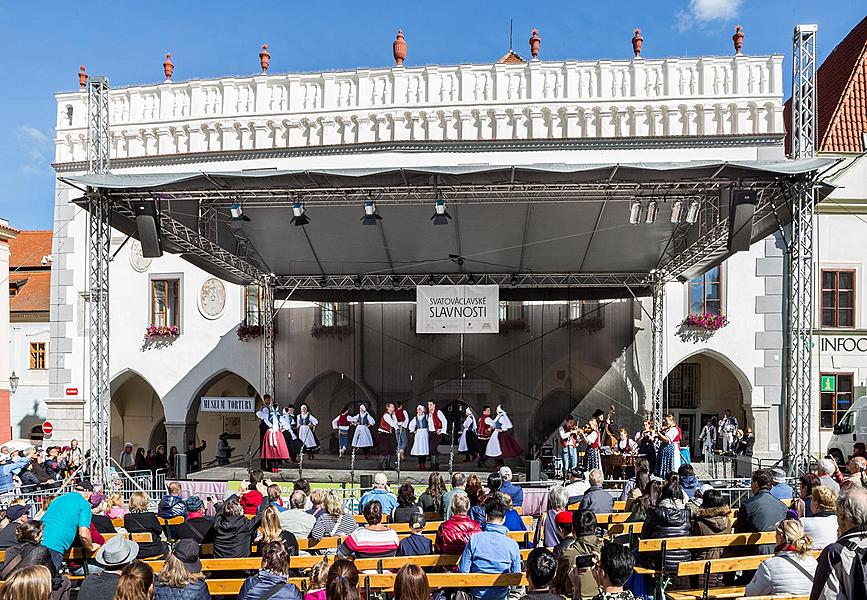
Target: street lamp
[{"x": 13, "y": 382}]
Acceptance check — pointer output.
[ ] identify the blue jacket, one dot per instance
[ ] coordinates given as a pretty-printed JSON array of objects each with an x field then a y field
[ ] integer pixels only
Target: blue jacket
[
  {"x": 260, "y": 585},
  {"x": 7, "y": 470},
  {"x": 690, "y": 484},
  {"x": 172, "y": 506},
  {"x": 194, "y": 591},
  {"x": 386, "y": 498},
  {"x": 490, "y": 551},
  {"x": 515, "y": 492},
  {"x": 782, "y": 491}
]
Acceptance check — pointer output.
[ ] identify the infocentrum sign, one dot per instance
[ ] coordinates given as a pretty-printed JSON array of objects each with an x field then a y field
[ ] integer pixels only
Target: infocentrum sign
[{"x": 457, "y": 309}]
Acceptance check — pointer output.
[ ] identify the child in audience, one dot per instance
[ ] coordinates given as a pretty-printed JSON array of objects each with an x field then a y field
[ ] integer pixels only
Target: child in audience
[
  {"x": 415, "y": 544},
  {"x": 316, "y": 582},
  {"x": 116, "y": 508}
]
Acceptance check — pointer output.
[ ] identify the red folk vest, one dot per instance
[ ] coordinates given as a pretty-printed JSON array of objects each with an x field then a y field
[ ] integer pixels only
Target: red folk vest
[
  {"x": 436, "y": 420},
  {"x": 485, "y": 430},
  {"x": 343, "y": 420},
  {"x": 384, "y": 425}
]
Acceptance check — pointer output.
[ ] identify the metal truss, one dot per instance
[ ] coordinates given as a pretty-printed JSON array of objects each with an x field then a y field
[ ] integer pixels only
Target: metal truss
[
  {"x": 801, "y": 268},
  {"x": 98, "y": 137},
  {"x": 657, "y": 352},
  {"x": 505, "y": 280},
  {"x": 268, "y": 338}
]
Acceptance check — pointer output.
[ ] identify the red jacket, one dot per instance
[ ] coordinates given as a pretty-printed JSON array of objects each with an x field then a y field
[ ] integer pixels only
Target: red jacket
[
  {"x": 453, "y": 534},
  {"x": 251, "y": 501}
]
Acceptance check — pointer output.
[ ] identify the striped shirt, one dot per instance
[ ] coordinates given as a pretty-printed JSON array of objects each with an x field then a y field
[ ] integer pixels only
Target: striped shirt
[
  {"x": 370, "y": 543},
  {"x": 325, "y": 525}
]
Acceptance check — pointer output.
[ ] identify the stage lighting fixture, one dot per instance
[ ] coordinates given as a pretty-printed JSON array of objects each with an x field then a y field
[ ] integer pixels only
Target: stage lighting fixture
[
  {"x": 431, "y": 280},
  {"x": 298, "y": 216},
  {"x": 471, "y": 279},
  {"x": 652, "y": 208},
  {"x": 440, "y": 216},
  {"x": 514, "y": 280},
  {"x": 237, "y": 212},
  {"x": 692, "y": 213},
  {"x": 395, "y": 281},
  {"x": 635, "y": 212},
  {"x": 676, "y": 211},
  {"x": 358, "y": 281},
  {"x": 370, "y": 217}
]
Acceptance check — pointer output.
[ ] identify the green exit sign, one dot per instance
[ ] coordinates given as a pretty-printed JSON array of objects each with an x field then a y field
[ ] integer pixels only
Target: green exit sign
[{"x": 828, "y": 383}]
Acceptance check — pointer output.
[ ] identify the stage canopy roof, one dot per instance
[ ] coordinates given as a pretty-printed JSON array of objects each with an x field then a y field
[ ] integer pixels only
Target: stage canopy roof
[{"x": 550, "y": 226}]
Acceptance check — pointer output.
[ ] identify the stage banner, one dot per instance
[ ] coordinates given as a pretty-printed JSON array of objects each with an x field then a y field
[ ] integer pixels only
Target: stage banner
[
  {"x": 220, "y": 404},
  {"x": 457, "y": 309}
]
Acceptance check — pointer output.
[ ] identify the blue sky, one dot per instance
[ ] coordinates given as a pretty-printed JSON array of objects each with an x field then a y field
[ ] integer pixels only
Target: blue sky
[{"x": 43, "y": 44}]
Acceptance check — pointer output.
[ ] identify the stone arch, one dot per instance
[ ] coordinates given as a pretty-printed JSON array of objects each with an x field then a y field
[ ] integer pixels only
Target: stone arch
[{"x": 136, "y": 411}]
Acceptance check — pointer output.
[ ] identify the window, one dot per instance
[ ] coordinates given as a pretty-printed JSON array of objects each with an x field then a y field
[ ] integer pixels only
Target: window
[
  {"x": 683, "y": 386},
  {"x": 584, "y": 308},
  {"x": 833, "y": 405},
  {"x": 511, "y": 310},
  {"x": 838, "y": 298},
  {"x": 334, "y": 314},
  {"x": 253, "y": 305},
  {"x": 37, "y": 355},
  {"x": 705, "y": 293},
  {"x": 164, "y": 302}
]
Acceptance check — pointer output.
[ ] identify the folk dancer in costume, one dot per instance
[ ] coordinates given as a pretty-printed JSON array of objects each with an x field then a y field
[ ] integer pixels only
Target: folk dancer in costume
[
  {"x": 264, "y": 416},
  {"x": 591, "y": 437},
  {"x": 402, "y": 417},
  {"x": 386, "y": 439},
  {"x": 486, "y": 428},
  {"x": 274, "y": 448},
  {"x": 646, "y": 440},
  {"x": 341, "y": 425},
  {"x": 306, "y": 431},
  {"x": 668, "y": 454},
  {"x": 287, "y": 427},
  {"x": 728, "y": 425},
  {"x": 361, "y": 439},
  {"x": 502, "y": 445},
  {"x": 437, "y": 427},
  {"x": 707, "y": 437},
  {"x": 420, "y": 444},
  {"x": 468, "y": 444},
  {"x": 568, "y": 434}
]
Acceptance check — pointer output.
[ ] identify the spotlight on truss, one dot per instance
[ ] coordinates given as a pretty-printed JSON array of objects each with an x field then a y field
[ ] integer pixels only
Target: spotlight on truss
[
  {"x": 652, "y": 209},
  {"x": 440, "y": 216},
  {"x": 692, "y": 213},
  {"x": 635, "y": 212},
  {"x": 298, "y": 216},
  {"x": 370, "y": 216},
  {"x": 676, "y": 211},
  {"x": 237, "y": 212}
]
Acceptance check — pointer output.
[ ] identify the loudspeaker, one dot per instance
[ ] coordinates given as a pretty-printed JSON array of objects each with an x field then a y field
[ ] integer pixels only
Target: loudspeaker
[
  {"x": 742, "y": 208},
  {"x": 365, "y": 481},
  {"x": 534, "y": 470},
  {"x": 147, "y": 220}
]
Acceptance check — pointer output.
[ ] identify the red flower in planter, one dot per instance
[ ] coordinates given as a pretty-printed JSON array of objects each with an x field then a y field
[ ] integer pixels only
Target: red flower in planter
[{"x": 708, "y": 321}]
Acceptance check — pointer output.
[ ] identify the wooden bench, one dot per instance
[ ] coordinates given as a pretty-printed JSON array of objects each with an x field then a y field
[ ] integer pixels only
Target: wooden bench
[
  {"x": 699, "y": 542},
  {"x": 625, "y": 528}
]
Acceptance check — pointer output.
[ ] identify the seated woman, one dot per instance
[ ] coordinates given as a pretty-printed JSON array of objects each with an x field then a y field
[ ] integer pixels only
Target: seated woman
[
  {"x": 822, "y": 526},
  {"x": 270, "y": 531},
  {"x": 373, "y": 541},
  {"x": 713, "y": 518},
  {"x": 790, "y": 571},
  {"x": 333, "y": 521},
  {"x": 272, "y": 579},
  {"x": 181, "y": 576},
  {"x": 513, "y": 521},
  {"x": 406, "y": 505},
  {"x": 29, "y": 552},
  {"x": 649, "y": 498},
  {"x": 431, "y": 499},
  {"x": 803, "y": 502},
  {"x": 669, "y": 518},
  {"x": 140, "y": 520},
  {"x": 115, "y": 508},
  {"x": 233, "y": 532}
]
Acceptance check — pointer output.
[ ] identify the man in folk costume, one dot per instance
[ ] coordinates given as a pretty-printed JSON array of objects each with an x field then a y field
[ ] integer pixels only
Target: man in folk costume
[
  {"x": 486, "y": 428},
  {"x": 287, "y": 426},
  {"x": 386, "y": 439},
  {"x": 437, "y": 425},
  {"x": 306, "y": 431},
  {"x": 418, "y": 426},
  {"x": 362, "y": 439},
  {"x": 502, "y": 445},
  {"x": 728, "y": 425},
  {"x": 402, "y": 417},
  {"x": 707, "y": 437},
  {"x": 341, "y": 425},
  {"x": 469, "y": 445}
]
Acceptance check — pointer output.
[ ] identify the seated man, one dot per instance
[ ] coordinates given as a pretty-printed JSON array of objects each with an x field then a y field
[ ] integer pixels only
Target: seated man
[
  {"x": 596, "y": 499},
  {"x": 515, "y": 492},
  {"x": 781, "y": 489},
  {"x": 541, "y": 567},
  {"x": 689, "y": 483},
  {"x": 297, "y": 521},
  {"x": 491, "y": 551},
  {"x": 17, "y": 514},
  {"x": 857, "y": 467},
  {"x": 614, "y": 567},
  {"x": 762, "y": 512},
  {"x": 380, "y": 492},
  {"x": 172, "y": 505},
  {"x": 577, "y": 485}
]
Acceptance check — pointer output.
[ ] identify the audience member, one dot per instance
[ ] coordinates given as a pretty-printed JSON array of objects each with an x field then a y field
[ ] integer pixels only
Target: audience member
[
  {"x": 513, "y": 521},
  {"x": 491, "y": 551},
  {"x": 762, "y": 512},
  {"x": 136, "y": 582},
  {"x": 611, "y": 571},
  {"x": 272, "y": 579},
  {"x": 596, "y": 499},
  {"x": 296, "y": 520},
  {"x": 233, "y": 531},
  {"x": 304, "y": 485},
  {"x": 577, "y": 485},
  {"x": 67, "y": 516},
  {"x": 781, "y": 489},
  {"x": 803, "y": 503},
  {"x": 689, "y": 483},
  {"x": 197, "y": 526},
  {"x": 415, "y": 544},
  {"x": 563, "y": 520},
  {"x": 98, "y": 519},
  {"x": 27, "y": 552},
  {"x": 194, "y": 455},
  {"x": 275, "y": 497},
  {"x": 28, "y": 583},
  {"x": 840, "y": 573},
  {"x": 251, "y": 496},
  {"x": 476, "y": 493},
  {"x": 172, "y": 505},
  {"x": 586, "y": 542},
  {"x": 406, "y": 504},
  {"x": 713, "y": 518},
  {"x": 112, "y": 557},
  {"x": 410, "y": 583},
  {"x": 459, "y": 480},
  {"x": 826, "y": 470},
  {"x": 791, "y": 570},
  {"x": 859, "y": 449},
  {"x": 431, "y": 499},
  {"x": 16, "y": 515},
  {"x": 857, "y": 477},
  {"x": 333, "y": 521},
  {"x": 342, "y": 581},
  {"x": 270, "y": 531},
  {"x": 386, "y": 499},
  {"x": 558, "y": 500},
  {"x": 316, "y": 581},
  {"x": 651, "y": 490},
  {"x": 140, "y": 520},
  {"x": 642, "y": 465},
  {"x": 822, "y": 526},
  {"x": 181, "y": 577},
  {"x": 515, "y": 492},
  {"x": 670, "y": 518},
  {"x": 541, "y": 568},
  {"x": 317, "y": 502},
  {"x": 376, "y": 540},
  {"x": 453, "y": 534}
]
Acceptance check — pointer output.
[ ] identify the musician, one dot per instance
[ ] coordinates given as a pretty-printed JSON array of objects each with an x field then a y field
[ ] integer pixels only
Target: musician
[
  {"x": 591, "y": 437},
  {"x": 668, "y": 454},
  {"x": 646, "y": 440},
  {"x": 386, "y": 436},
  {"x": 707, "y": 437},
  {"x": 468, "y": 444},
  {"x": 341, "y": 424},
  {"x": 568, "y": 433},
  {"x": 486, "y": 428},
  {"x": 402, "y": 417},
  {"x": 362, "y": 439},
  {"x": 307, "y": 423},
  {"x": 419, "y": 427},
  {"x": 728, "y": 425},
  {"x": 502, "y": 445},
  {"x": 437, "y": 426},
  {"x": 625, "y": 445}
]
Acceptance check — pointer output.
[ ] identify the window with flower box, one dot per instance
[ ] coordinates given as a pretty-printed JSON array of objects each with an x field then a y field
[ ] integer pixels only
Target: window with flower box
[
  {"x": 165, "y": 303},
  {"x": 705, "y": 293}
]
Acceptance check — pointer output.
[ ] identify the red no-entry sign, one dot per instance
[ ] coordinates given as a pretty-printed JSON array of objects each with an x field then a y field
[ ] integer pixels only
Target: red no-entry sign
[{"x": 47, "y": 428}]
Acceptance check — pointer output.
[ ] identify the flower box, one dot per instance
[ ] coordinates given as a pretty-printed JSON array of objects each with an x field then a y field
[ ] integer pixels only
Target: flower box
[
  {"x": 249, "y": 332},
  {"x": 162, "y": 331},
  {"x": 708, "y": 321},
  {"x": 338, "y": 331}
]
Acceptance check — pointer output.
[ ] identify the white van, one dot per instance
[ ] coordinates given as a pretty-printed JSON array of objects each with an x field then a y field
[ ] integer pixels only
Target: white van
[{"x": 851, "y": 428}]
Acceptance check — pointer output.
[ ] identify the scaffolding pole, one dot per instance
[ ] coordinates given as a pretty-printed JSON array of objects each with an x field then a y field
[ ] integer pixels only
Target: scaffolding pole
[
  {"x": 657, "y": 354},
  {"x": 800, "y": 252},
  {"x": 268, "y": 337}
]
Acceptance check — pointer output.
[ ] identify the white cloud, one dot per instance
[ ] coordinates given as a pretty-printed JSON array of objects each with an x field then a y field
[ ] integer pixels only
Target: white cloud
[
  {"x": 702, "y": 12},
  {"x": 35, "y": 149}
]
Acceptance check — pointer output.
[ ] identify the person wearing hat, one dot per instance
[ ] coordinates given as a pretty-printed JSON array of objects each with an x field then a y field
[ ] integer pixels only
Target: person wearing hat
[
  {"x": 182, "y": 577},
  {"x": 577, "y": 485},
  {"x": 781, "y": 489},
  {"x": 68, "y": 515},
  {"x": 112, "y": 557},
  {"x": 17, "y": 514},
  {"x": 563, "y": 522},
  {"x": 415, "y": 544},
  {"x": 197, "y": 526},
  {"x": 127, "y": 460}
]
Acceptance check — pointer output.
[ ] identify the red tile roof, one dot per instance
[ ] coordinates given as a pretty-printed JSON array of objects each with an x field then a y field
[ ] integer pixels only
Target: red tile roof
[
  {"x": 34, "y": 291},
  {"x": 511, "y": 58},
  {"x": 28, "y": 248}
]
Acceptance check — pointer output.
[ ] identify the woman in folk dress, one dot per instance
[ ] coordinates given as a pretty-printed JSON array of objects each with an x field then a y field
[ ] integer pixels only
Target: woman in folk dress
[
  {"x": 287, "y": 425},
  {"x": 469, "y": 443},
  {"x": 593, "y": 456},
  {"x": 668, "y": 454},
  {"x": 418, "y": 426},
  {"x": 362, "y": 438},
  {"x": 274, "y": 447},
  {"x": 502, "y": 445},
  {"x": 306, "y": 426}
]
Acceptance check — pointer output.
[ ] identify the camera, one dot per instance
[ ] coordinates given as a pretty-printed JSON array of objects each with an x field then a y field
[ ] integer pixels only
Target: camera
[{"x": 583, "y": 561}]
